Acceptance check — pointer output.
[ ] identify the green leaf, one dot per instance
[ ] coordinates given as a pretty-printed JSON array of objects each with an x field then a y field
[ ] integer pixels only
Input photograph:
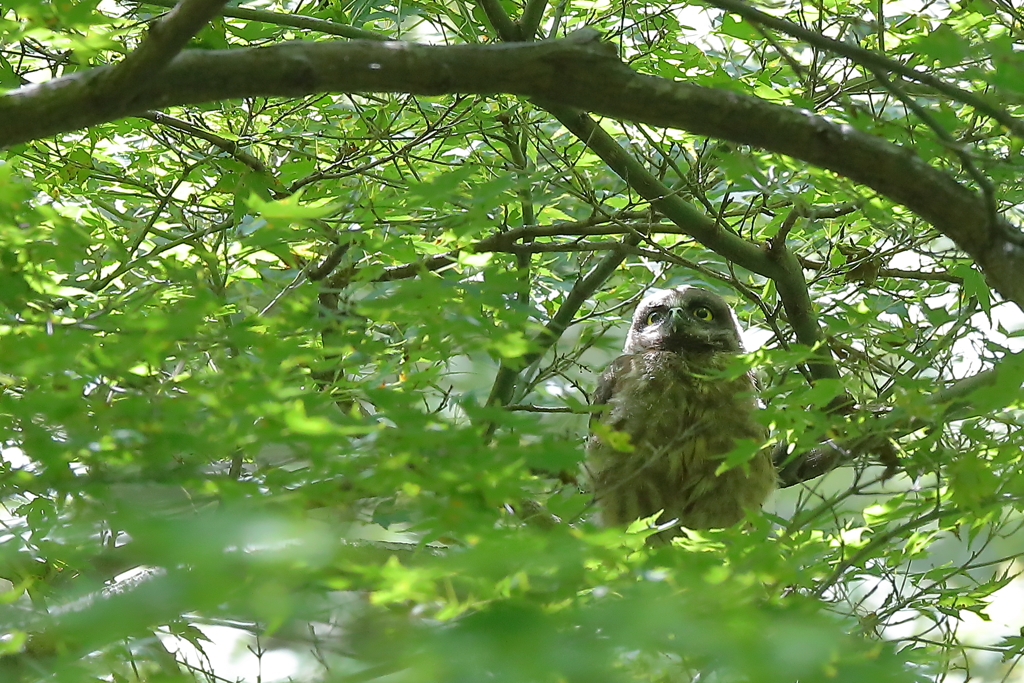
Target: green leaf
[
  {"x": 944, "y": 45},
  {"x": 736, "y": 27}
]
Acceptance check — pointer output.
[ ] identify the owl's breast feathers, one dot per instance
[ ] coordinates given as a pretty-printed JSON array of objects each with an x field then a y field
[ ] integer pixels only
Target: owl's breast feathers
[{"x": 682, "y": 416}]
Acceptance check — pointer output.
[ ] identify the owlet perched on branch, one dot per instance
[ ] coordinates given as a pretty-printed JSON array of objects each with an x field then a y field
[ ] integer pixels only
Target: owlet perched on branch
[{"x": 668, "y": 393}]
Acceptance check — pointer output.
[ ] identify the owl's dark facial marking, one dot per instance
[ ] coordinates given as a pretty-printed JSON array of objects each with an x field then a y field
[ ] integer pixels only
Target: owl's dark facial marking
[{"x": 685, "y": 320}]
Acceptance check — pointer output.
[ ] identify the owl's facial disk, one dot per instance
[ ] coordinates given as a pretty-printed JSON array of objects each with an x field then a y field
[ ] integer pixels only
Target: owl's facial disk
[{"x": 687, "y": 320}]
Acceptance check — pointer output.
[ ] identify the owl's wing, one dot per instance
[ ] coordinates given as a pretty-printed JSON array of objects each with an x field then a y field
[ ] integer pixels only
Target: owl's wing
[{"x": 609, "y": 383}]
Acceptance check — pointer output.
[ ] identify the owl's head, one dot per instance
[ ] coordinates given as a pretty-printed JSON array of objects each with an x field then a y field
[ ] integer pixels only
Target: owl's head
[{"x": 684, "y": 320}]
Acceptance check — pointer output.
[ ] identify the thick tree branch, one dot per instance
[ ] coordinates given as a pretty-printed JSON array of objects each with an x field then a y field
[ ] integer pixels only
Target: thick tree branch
[
  {"x": 507, "y": 29},
  {"x": 533, "y": 13},
  {"x": 578, "y": 72},
  {"x": 166, "y": 38},
  {"x": 792, "y": 288}
]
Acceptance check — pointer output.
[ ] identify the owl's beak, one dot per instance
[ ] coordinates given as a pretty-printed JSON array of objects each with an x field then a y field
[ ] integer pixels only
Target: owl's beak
[
  {"x": 688, "y": 336},
  {"x": 677, "y": 319}
]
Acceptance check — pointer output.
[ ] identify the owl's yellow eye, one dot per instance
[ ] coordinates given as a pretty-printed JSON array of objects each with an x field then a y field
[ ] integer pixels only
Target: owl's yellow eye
[
  {"x": 654, "y": 317},
  {"x": 703, "y": 313}
]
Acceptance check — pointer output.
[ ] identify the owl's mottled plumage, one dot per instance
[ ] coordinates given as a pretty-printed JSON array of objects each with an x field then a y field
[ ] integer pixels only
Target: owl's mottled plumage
[{"x": 668, "y": 393}]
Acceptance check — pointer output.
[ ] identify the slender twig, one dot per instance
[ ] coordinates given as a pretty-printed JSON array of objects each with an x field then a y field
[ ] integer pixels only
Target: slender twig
[
  {"x": 871, "y": 59},
  {"x": 531, "y": 408},
  {"x": 880, "y": 540},
  {"x": 153, "y": 253},
  {"x": 506, "y": 29},
  {"x": 230, "y": 146},
  {"x": 984, "y": 184},
  {"x": 292, "y": 20}
]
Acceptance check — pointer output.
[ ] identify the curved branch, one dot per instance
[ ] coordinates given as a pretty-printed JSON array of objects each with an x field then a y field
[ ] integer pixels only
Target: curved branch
[
  {"x": 577, "y": 72},
  {"x": 231, "y": 147},
  {"x": 167, "y": 36}
]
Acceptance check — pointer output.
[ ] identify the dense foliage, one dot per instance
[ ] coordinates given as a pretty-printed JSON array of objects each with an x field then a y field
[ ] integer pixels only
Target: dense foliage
[{"x": 315, "y": 371}]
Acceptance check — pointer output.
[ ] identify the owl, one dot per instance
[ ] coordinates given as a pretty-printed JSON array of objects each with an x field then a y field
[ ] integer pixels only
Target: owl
[{"x": 669, "y": 393}]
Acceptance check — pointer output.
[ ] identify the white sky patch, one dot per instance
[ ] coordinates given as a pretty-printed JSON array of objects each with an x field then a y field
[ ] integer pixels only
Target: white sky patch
[
  {"x": 231, "y": 656},
  {"x": 694, "y": 17},
  {"x": 756, "y": 337},
  {"x": 15, "y": 457}
]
